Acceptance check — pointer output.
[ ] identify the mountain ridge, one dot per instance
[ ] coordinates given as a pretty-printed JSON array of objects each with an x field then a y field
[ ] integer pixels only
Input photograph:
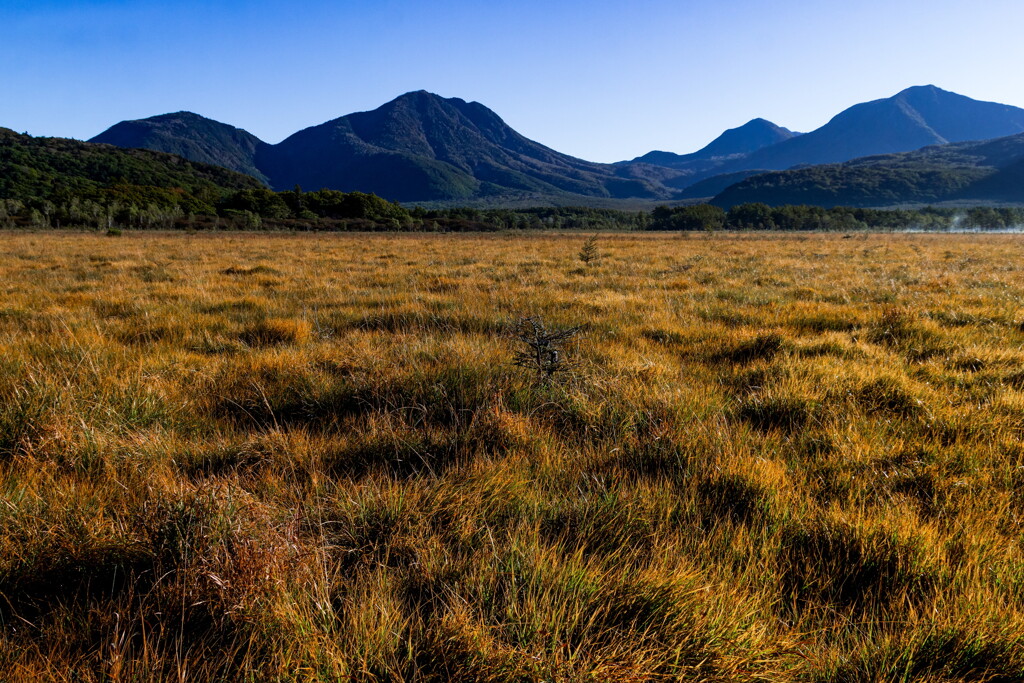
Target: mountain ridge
[
  {"x": 751, "y": 136},
  {"x": 916, "y": 117},
  {"x": 913, "y": 118},
  {"x": 417, "y": 147},
  {"x": 421, "y": 147}
]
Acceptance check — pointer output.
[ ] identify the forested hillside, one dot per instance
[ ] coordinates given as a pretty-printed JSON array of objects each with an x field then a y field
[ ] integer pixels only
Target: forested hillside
[{"x": 966, "y": 172}]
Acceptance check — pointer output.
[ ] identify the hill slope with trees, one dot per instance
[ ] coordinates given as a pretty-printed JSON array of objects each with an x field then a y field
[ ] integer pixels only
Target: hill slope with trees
[
  {"x": 988, "y": 171},
  {"x": 193, "y": 137},
  {"x": 87, "y": 182}
]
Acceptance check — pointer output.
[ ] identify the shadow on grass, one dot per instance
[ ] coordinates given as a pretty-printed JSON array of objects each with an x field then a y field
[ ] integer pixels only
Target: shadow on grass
[{"x": 839, "y": 566}]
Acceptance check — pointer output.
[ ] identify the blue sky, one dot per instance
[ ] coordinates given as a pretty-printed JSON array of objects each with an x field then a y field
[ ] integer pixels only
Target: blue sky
[{"x": 600, "y": 80}]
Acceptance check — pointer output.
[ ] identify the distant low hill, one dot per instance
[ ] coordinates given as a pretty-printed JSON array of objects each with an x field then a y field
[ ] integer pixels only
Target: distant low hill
[
  {"x": 709, "y": 187},
  {"x": 55, "y": 169},
  {"x": 987, "y": 171},
  {"x": 191, "y": 136},
  {"x": 724, "y": 152}
]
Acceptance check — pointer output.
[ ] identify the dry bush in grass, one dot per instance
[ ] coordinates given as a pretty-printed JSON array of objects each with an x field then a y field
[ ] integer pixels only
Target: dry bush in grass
[{"x": 542, "y": 351}]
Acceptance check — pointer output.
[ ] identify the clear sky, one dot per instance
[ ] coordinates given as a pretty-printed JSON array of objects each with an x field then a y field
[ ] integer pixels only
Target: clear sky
[{"x": 601, "y": 80}]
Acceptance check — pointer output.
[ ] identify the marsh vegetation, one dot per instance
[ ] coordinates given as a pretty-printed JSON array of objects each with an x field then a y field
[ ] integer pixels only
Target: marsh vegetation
[{"x": 312, "y": 458}]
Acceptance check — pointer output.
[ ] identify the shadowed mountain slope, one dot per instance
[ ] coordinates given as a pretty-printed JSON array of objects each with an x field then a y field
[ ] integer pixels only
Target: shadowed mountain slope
[
  {"x": 749, "y": 137},
  {"x": 424, "y": 148},
  {"x": 191, "y": 136},
  {"x": 991, "y": 170},
  {"x": 914, "y": 118},
  {"x": 418, "y": 147}
]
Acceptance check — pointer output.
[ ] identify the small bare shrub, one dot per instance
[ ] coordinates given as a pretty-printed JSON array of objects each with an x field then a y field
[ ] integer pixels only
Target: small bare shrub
[{"x": 542, "y": 349}]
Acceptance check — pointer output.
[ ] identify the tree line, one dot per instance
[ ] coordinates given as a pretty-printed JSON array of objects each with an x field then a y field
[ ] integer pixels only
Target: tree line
[
  {"x": 757, "y": 216},
  {"x": 142, "y": 207}
]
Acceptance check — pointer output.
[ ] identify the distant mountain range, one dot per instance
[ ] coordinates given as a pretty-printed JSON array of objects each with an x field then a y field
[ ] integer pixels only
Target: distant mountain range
[
  {"x": 912, "y": 119},
  {"x": 418, "y": 147},
  {"x": 725, "y": 153},
  {"x": 421, "y": 148}
]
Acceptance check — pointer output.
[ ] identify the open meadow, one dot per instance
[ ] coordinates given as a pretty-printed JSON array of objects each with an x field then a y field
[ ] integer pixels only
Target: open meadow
[{"x": 262, "y": 457}]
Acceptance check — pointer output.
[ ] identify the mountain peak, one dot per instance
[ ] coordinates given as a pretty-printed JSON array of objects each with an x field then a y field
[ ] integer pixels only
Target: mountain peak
[
  {"x": 751, "y": 136},
  {"x": 925, "y": 94},
  {"x": 182, "y": 117},
  {"x": 421, "y": 147},
  {"x": 735, "y": 142},
  {"x": 914, "y": 89},
  {"x": 418, "y": 95},
  {"x": 192, "y": 136},
  {"x": 423, "y": 96},
  {"x": 183, "y": 114}
]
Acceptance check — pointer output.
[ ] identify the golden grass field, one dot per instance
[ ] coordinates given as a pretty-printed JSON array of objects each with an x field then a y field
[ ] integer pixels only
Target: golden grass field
[{"x": 258, "y": 457}]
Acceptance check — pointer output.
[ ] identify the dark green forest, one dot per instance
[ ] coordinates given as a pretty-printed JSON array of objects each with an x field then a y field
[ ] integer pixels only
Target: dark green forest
[
  {"x": 758, "y": 216},
  {"x": 985, "y": 171},
  {"x": 60, "y": 183}
]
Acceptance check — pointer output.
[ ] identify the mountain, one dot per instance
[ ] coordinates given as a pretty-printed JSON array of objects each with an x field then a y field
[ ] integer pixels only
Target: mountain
[
  {"x": 424, "y": 147},
  {"x": 749, "y": 137},
  {"x": 418, "y": 147},
  {"x": 989, "y": 171},
  {"x": 421, "y": 147},
  {"x": 721, "y": 156},
  {"x": 56, "y": 168},
  {"x": 914, "y": 118},
  {"x": 191, "y": 136}
]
